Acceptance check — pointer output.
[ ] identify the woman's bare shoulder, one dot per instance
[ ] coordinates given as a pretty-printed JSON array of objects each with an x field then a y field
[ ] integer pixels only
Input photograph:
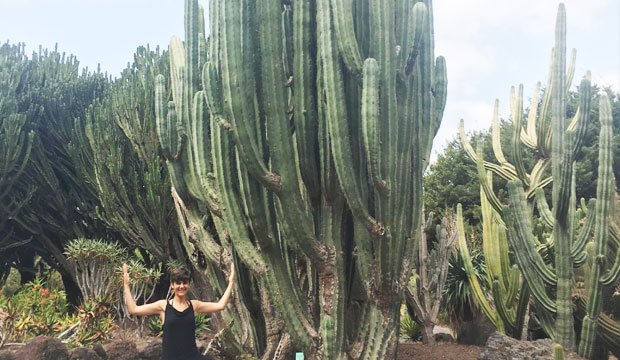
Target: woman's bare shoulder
[{"x": 161, "y": 303}]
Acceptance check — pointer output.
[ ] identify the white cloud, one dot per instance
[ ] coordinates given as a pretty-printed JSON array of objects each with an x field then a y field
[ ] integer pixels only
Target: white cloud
[
  {"x": 477, "y": 115},
  {"x": 465, "y": 18},
  {"x": 466, "y": 59},
  {"x": 608, "y": 79}
]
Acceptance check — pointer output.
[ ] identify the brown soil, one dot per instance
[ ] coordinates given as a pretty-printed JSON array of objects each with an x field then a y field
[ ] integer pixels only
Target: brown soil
[{"x": 439, "y": 351}]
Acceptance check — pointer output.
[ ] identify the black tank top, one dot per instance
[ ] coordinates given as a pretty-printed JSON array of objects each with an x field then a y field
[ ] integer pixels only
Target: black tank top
[{"x": 179, "y": 334}]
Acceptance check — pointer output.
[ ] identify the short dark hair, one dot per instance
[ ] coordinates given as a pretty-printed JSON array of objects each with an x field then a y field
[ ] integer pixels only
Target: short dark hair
[{"x": 179, "y": 275}]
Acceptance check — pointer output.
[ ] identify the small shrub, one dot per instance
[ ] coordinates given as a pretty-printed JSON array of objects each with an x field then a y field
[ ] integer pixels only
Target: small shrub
[
  {"x": 155, "y": 327},
  {"x": 34, "y": 310},
  {"x": 12, "y": 283},
  {"x": 202, "y": 323},
  {"x": 96, "y": 318},
  {"x": 410, "y": 329}
]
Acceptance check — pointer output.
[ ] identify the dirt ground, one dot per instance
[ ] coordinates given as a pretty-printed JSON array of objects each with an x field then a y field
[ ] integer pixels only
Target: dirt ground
[{"x": 439, "y": 351}]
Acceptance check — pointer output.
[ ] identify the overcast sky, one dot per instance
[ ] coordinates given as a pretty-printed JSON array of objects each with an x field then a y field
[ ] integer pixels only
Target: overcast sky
[{"x": 489, "y": 45}]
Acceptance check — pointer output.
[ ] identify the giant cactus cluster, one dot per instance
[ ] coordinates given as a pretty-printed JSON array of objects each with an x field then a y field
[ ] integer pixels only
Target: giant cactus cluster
[
  {"x": 546, "y": 263},
  {"x": 275, "y": 127}
]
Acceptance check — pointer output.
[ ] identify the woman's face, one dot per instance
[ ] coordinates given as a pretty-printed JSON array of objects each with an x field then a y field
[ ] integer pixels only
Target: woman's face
[{"x": 180, "y": 287}]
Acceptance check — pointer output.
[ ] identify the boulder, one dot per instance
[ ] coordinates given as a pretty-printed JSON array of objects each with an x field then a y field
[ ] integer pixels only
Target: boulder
[
  {"x": 443, "y": 337},
  {"x": 121, "y": 350},
  {"x": 475, "y": 332},
  {"x": 152, "y": 351},
  {"x": 443, "y": 334},
  {"x": 98, "y": 348},
  {"x": 84, "y": 354},
  {"x": 43, "y": 348},
  {"x": 6, "y": 355},
  {"x": 501, "y": 346}
]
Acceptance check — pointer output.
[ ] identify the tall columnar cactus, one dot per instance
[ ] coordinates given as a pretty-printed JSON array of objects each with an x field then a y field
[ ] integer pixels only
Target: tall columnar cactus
[
  {"x": 602, "y": 273},
  {"x": 275, "y": 128},
  {"x": 510, "y": 295}
]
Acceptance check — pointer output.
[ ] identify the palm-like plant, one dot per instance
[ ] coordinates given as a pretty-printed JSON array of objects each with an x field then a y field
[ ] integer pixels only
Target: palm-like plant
[{"x": 458, "y": 296}]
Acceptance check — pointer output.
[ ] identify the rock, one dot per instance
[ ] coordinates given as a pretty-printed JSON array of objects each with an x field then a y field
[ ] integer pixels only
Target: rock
[
  {"x": 475, "y": 332},
  {"x": 443, "y": 337},
  {"x": 98, "y": 348},
  {"x": 84, "y": 354},
  {"x": 121, "y": 350},
  {"x": 6, "y": 355},
  {"x": 152, "y": 351},
  {"x": 43, "y": 348},
  {"x": 443, "y": 334},
  {"x": 501, "y": 346}
]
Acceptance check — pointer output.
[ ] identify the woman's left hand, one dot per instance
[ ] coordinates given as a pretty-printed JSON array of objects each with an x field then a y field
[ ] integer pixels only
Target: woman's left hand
[{"x": 231, "y": 278}]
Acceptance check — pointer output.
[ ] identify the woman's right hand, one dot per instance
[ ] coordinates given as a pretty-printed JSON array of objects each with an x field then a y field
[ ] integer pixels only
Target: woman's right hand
[{"x": 125, "y": 275}]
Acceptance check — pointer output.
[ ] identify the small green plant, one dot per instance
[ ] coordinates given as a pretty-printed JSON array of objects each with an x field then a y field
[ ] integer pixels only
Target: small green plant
[
  {"x": 410, "y": 329},
  {"x": 12, "y": 283},
  {"x": 201, "y": 323},
  {"x": 96, "y": 318},
  {"x": 155, "y": 327},
  {"x": 458, "y": 300}
]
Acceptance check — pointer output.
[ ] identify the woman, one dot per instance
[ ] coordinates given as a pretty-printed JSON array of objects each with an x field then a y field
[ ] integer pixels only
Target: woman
[{"x": 177, "y": 313}]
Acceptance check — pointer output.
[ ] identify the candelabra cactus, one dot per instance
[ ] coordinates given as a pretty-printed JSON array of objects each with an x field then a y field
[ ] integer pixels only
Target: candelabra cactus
[
  {"x": 116, "y": 146},
  {"x": 15, "y": 146},
  {"x": 275, "y": 127},
  {"x": 562, "y": 140},
  {"x": 46, "y": 206}
]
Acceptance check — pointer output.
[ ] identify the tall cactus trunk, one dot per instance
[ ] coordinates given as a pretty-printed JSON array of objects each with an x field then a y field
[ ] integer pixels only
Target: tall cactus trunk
[{"x": 562, "y": 165}]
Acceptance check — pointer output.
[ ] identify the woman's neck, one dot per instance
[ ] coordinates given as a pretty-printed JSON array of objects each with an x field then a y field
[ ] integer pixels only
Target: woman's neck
[{"x": 178, "y": 299}]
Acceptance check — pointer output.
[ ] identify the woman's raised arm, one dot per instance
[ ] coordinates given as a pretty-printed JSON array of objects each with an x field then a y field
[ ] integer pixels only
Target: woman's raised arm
[
  {"x": 210, "y": 307},
  {"x": 157, "y": 307}
]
